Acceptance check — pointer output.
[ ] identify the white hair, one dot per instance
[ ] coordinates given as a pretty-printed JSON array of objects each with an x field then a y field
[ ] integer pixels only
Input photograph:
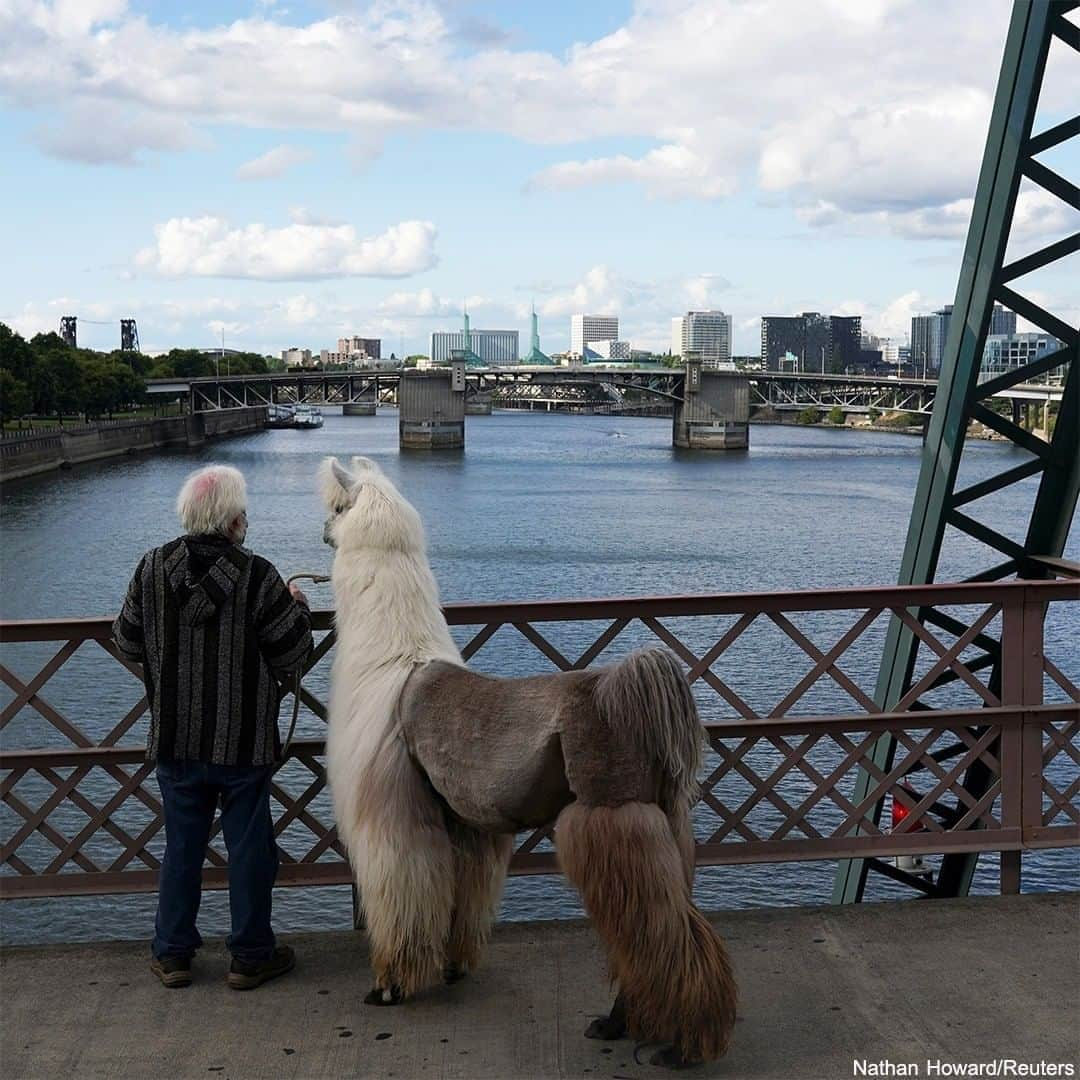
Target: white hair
[{"x": 211, "y": 500}]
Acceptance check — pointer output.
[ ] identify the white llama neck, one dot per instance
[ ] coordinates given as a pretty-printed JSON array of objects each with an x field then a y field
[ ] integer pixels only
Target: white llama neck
[{"x": 388, "y": 609}]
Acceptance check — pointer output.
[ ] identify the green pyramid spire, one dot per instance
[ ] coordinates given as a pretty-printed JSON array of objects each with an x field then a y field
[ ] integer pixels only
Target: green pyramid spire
[
  {"x": 471, "y": 359},
  {"x": 535, "y": 355}
]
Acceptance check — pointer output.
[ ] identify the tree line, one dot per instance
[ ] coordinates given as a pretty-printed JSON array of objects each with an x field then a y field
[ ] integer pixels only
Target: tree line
[{"x": 46, "y": 377}]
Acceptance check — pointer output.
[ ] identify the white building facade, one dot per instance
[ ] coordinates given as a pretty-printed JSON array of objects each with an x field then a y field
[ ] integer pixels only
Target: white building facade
[
  {"x": 607, "y": 349},
  {"x": 295, "y": 356},
  {"x": 498, "y": 347},
  {"x": 707, "y": 333},
  {"x": 1006, "y": 352},
  {"x": 678, "y": 327},
  {"x": 585, "y": 328}
]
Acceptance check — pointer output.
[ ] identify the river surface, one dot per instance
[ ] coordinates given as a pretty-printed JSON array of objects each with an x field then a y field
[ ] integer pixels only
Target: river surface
[{"x": 537, "y": 506}]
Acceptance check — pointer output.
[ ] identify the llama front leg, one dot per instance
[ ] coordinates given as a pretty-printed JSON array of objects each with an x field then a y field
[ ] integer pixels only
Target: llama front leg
[
  {"x": 480, "y": 861},
  {"x": 404, "y": 866},
  {"x": 406, "y": 892}
]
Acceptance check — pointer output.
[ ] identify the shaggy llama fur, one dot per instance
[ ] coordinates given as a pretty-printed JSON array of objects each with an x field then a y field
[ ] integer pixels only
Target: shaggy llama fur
[{"x": 434, "y": 767}]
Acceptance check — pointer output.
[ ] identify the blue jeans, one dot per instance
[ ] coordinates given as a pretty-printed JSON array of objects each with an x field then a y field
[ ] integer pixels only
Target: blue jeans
[{"x": 190, "y": 792}]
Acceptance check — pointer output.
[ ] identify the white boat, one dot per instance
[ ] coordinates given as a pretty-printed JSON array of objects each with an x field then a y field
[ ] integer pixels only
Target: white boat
[
  {"x": 279, "y": 416},
  {"x": 307, "y": 416}
]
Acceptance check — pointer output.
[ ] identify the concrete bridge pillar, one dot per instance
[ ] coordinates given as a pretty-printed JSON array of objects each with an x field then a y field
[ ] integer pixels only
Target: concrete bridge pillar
[
  {"x": 362, "y": 404},
  {"x": 715, "y": 411},
  {"x": 431, "y": 409},
  {"x": 478, "y": 403}
]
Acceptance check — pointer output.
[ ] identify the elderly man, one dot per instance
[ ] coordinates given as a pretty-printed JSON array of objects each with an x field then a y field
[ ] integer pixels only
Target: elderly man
[{"x": 216, "y": 631}]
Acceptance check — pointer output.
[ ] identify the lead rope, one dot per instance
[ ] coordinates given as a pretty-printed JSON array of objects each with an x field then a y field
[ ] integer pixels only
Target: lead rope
[{"x": 315, "y": 579}]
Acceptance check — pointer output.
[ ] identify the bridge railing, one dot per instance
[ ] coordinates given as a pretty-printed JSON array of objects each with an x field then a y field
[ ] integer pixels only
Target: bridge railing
[{"x": 784, "y": 682}]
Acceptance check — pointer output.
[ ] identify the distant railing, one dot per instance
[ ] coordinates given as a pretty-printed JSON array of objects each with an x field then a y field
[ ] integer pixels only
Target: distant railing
[
  {"x": 81, "y": 811},
  {"x": 79, "y": 428}
]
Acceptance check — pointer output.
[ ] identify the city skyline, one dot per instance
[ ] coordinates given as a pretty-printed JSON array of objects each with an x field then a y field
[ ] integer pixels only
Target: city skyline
[{"x": 286, "y": 177}]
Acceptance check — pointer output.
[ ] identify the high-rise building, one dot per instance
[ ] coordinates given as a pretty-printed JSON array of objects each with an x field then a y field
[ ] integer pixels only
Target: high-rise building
[
  {"x": 928, "y": 336},
  {"x": 293, "y": 356},
  {"x": 363, "y": 348},
  {"x": 810, "y": 342},
  {"x": 1002, "y": 320},
  {"x": 1006, "y": 352},
  {"x": 585, "y": 328},
  {"x": 707, "y": 333},
  {"x": 607, "y": 349},
  {"x": 490, "y": 346},
  {"x": 677, "y": 325},
  {"x": 845, "y": 342}
]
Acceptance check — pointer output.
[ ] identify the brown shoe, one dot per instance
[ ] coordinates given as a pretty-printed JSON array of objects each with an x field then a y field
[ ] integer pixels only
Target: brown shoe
[
  {"x": 173, "y": 971},
  {"x": 248, "y": 976}
]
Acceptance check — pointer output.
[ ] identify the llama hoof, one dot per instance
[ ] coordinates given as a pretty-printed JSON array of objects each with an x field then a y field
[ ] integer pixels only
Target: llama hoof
[
  {"x": 379, "y": 995},
  {"x": 607, "y": 1028},
  {"x": 453, "y": 973},
  {"x": 671, "y": 1057}
]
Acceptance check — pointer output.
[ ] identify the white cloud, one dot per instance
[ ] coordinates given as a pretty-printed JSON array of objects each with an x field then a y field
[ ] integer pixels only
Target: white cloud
[
  {"x": 273, "y": 163},
  {"x": 1038, "y": 216},
  {"x": 827, "y": 104},
  {"x": 704, "y": 291},
  {"x": 300, "y": 310},
  {"x": 421, "y": 305},
  {"x": 672, "y": 171},
  {"x": 104, "y": 134},
  {"x": 211, "y": 247}
]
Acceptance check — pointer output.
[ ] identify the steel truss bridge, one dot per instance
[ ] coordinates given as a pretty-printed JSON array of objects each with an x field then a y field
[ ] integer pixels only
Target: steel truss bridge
[{"x": 606, "y": 388}]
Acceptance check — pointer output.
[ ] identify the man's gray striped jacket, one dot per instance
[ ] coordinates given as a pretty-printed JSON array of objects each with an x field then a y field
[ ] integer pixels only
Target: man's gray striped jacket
[{"x": 216, "y": 631}]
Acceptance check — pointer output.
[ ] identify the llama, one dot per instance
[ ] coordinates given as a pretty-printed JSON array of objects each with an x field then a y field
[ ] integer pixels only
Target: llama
[{"x": 434, "y": 767}]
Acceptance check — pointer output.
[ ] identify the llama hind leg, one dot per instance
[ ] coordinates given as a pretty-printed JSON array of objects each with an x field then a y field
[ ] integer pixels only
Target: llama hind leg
[
  {"x": 610, "y": 1027},
  {"x": 404, "y": 868},
  {"x": 480, "y": 861}
]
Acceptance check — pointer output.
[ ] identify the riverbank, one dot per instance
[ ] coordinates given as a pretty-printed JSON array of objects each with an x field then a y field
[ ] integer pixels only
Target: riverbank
[
  {"x": 29, "y": 455},
  {"x": 943, "y": 980}
]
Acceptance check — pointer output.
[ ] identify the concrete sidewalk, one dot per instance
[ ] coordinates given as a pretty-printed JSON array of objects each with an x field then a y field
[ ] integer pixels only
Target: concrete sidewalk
[{"x": 959, "y": 981}]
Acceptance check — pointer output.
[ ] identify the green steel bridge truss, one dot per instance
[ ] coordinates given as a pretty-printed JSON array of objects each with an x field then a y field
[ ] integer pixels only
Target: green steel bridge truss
[{"x": 1011, "y": 156}]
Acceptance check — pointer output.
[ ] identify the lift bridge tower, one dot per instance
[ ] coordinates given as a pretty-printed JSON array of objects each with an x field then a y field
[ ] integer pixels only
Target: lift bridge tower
[
  {"x": 1011, "y": 157},
  {"x": 129, "y": 332}
]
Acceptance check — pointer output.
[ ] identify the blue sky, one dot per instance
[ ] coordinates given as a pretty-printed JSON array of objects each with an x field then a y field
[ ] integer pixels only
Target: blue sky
[{"x": 293, "y": 172}]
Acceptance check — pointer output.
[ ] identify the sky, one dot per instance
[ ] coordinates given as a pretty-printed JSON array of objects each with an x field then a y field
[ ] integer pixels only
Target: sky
[{"x": 287, "y": 173}]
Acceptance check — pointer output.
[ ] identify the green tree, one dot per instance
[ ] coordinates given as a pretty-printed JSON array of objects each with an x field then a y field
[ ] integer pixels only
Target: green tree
[
  {"x": 65, "y": 375},
  {"x": 15, "y": 397},
  {"x": 184, "y": 364},
  {"x": 836, "y": 415},
  {"x": 109, "y": 386},
  {"x": 809, "y": 415},
  {"x": 874, "y": 415},
  {"x": 16, "y": 356}
]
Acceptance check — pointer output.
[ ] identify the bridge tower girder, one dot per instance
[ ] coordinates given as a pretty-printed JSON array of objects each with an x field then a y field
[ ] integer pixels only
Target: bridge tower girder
[
  {"x": 69, "y": 330},
  {"x": 1010, "y": 156}
]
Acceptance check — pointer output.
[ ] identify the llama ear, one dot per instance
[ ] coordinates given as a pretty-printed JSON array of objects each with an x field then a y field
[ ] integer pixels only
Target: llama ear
[
  {"x": 360, "y": 464},
  {"x": 342, "y": 475}
]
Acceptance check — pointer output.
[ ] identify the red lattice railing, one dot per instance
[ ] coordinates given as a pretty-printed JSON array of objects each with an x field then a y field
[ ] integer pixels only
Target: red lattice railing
[{"x": 784, "y": 682}]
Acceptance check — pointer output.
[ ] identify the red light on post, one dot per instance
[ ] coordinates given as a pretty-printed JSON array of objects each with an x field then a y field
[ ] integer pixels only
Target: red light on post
[{"x": 900, "y": 811}]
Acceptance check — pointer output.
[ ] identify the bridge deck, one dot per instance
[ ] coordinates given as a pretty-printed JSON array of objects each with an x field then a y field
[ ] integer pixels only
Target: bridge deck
[{"x": 820, "y": 988}]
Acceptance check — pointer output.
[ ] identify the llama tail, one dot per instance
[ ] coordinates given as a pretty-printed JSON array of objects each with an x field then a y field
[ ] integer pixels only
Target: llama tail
[
  {"x": 671, "y": 966},
  {"x": 647, "y": 701}
]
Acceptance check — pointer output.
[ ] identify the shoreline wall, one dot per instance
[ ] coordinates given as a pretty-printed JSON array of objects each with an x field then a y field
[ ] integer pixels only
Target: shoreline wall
[{"x": 21, "y": 457}]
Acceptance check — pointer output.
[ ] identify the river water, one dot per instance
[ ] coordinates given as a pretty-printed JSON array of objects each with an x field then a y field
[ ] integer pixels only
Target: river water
[{"x": 537, "y": 506}]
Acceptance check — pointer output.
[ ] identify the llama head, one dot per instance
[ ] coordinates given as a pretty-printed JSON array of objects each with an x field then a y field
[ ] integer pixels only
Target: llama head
[{"x": 366, "y": 510}]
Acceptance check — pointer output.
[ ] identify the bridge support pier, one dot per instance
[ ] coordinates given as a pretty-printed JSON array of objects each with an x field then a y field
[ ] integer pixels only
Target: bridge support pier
[
  {"x": 431, "y": 409},
  {"x": 364, "y": 405},
  {"x": 715, "y": 411},
  {"x": 478, "y": 404}
]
